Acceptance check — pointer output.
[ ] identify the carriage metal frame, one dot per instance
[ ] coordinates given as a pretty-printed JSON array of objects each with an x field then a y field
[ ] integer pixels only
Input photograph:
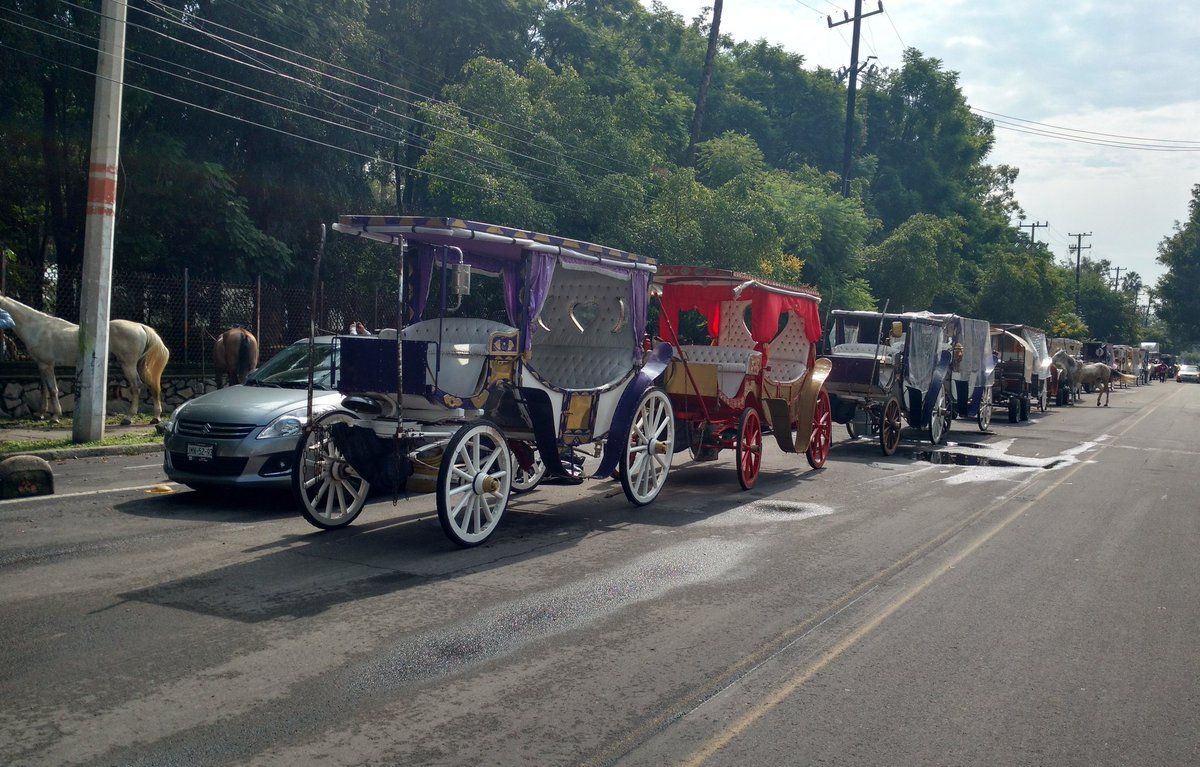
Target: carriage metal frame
[
  {"x": 752, "y": 379},
  {"x": 903, "y": 370},
  {"x": 1024, "y": 370},
  {"x": 491, "y": 408}
]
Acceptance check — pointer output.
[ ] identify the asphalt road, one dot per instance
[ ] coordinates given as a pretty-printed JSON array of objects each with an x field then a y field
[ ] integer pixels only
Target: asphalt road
[{"x": 879, "y": 612}]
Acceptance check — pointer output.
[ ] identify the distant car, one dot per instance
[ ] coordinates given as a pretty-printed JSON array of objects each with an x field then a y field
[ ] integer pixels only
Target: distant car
[
  {"x": 246, "y": 435},
  {"x": 1188, "y": 373}
]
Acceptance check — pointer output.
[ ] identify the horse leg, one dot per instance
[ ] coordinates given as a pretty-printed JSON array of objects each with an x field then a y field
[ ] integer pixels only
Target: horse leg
[
  {"x": 50, "y": 392},
  {"x": 135, "y": 390}
]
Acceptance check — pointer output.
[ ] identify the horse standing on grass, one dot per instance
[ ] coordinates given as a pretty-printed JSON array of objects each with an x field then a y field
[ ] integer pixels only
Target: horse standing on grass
[
  {"x": 53, "y": 341},
  {"x": 235, "y": 355}
]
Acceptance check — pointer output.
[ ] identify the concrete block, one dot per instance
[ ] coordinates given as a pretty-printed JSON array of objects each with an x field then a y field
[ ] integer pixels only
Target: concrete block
[{"x": 25, "y": 475}]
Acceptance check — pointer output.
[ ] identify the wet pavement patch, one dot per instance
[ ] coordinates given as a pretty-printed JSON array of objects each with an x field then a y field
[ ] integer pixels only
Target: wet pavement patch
[{"x": 949, "y": 457}]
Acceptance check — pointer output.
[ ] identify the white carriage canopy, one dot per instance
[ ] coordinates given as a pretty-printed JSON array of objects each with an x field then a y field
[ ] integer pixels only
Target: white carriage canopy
[{"x": 527, "y": 264}]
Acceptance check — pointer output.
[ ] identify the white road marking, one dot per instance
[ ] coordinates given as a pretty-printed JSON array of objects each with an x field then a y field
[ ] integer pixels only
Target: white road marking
[{"x": 84, "y": 493}]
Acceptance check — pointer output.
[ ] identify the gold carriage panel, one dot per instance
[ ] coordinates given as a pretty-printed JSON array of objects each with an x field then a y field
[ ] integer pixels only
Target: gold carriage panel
[
  {"x": 797, "y": 410},
  {"x": 705, "y": 377},
  {"x": 578, "y": 420}
]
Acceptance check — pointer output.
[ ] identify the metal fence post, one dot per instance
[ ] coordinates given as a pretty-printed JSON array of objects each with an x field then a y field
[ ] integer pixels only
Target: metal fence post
[
  {"x": 258, "y": 306},
  {"x": 321, "y": 303},
  {"x": 187, "y": 317}
]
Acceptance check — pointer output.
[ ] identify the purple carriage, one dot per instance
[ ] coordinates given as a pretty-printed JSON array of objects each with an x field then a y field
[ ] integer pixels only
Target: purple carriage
[{"x": 482, "y": 408}]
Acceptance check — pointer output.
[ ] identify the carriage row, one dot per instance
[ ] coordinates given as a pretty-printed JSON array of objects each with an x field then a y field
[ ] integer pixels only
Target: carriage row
[{"x": 478, "y": 408}]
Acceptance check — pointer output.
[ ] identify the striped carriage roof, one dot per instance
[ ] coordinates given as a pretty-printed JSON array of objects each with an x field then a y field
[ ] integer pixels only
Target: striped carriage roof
[
  {"x": 705, "y": 275},
  {"x": 459, "y": 227}
]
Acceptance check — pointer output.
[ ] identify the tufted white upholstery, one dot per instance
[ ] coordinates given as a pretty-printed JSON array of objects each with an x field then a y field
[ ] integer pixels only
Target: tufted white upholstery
[
  {"x": 862, "y": 350},
  {"x": 466, "y": 341},
  {"x": 600, "y": 355},
  {"x": 734, "y": 332},
  {"x": 732, "y": 364},
  {"x": 787, "y": 360}
]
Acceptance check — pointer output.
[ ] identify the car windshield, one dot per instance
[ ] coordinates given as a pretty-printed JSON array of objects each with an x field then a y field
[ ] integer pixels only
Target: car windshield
[{"x": 289, "y": 368}]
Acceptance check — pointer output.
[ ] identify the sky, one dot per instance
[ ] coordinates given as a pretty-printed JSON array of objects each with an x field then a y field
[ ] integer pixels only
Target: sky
[{"x": 1111, "y": 67}]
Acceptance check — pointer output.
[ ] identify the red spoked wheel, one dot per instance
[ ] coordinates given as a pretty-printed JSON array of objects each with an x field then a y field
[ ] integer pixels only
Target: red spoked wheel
[
  {"x": 749, "y": 448},
  {"x": 822, "y": 432}
]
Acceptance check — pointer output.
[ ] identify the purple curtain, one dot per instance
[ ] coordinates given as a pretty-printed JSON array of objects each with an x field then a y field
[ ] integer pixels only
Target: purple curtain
[
  {"x": 639, "y": 288},
  {"x": 420, "y": 288},
  {"x": 541, "y": 274},
  {"x": 510, "y": 281}
]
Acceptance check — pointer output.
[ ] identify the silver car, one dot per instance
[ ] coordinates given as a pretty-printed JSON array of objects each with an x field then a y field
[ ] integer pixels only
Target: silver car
[{"x": 246, "y": 436}]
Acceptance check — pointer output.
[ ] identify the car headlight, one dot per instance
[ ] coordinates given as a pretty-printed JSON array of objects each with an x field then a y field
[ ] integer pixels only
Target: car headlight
[
  {"x": 291, "y": 423},
  {"x": 173, "y": 419}
]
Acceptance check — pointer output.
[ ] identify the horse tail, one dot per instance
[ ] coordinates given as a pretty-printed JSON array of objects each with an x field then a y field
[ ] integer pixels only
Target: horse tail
[
  {"x": 153, "y": 361},
  {"x": 246, "y": 355}
]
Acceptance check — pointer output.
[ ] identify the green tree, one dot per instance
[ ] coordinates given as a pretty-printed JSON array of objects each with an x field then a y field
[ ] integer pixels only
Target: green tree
[
  {"x": 1179, "y": 288},
  {"x": 915, "y": 260}
]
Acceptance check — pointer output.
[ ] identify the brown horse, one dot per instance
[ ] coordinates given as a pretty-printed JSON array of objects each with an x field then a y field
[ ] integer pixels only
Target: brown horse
[{"x": 235, "y": 355}]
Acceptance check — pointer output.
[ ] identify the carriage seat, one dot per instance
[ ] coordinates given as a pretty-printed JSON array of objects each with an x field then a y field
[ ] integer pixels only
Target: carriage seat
[
  {"x": 466, "y": 344},
  {"x": 863, "y": 350},
  {"x": 733, "y": 364},
  {"x": 581, "y": 367}
]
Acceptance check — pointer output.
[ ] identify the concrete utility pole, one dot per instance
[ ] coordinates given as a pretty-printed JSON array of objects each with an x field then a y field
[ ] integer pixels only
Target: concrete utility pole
[
  {"x": 1033, "y": 230},
  {"x": 1117, "y": 279},
  {"x": 1078, "y": 249},
  {"x": 91, "y": 372},
  {"x": 848, "y": 139}
]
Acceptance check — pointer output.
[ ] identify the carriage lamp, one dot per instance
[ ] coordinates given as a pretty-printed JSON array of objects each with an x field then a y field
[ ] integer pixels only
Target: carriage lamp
[
  {"x": 897, "y": 329},
  {"x": 462, "y": 278},
  {"x": 957, "y": 351}
]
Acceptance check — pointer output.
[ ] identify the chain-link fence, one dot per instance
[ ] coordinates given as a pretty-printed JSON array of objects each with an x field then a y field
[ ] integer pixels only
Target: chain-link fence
[{"x": 189, "y": 314}]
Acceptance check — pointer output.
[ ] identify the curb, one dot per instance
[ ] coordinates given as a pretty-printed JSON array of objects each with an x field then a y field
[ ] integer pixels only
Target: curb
[{"x": 63, "y": 453}]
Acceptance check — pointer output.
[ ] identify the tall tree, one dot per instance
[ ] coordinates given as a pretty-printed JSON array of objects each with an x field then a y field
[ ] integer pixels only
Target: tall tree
[
  {"x": 710, "y": 57},
  {"x": 1179, "y": 288}
]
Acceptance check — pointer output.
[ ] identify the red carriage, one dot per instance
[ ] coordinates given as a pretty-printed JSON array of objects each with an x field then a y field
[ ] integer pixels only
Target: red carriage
[{"x": 759, "y": 375}]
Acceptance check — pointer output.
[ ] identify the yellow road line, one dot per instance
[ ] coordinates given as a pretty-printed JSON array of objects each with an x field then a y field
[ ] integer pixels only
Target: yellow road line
[{"x": 743, "y": 723}]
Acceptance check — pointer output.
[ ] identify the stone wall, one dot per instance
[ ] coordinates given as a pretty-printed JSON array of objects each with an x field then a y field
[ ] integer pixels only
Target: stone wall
[{"x": 20, "y": 397}]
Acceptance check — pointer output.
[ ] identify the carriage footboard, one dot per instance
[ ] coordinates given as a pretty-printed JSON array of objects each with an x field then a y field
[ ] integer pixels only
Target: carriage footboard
[
  {"x": 781, "y": 413},
  {"x": 376, "y": 460}
]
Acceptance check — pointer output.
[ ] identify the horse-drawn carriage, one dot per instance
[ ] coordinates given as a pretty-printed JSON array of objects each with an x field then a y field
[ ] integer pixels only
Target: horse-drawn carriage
[
  {"x": 894, "y": 368},
  {"x": 1025, "y": 370},
  {"x": 490, "y": 406},
  {"x": 759, "y": 373}
]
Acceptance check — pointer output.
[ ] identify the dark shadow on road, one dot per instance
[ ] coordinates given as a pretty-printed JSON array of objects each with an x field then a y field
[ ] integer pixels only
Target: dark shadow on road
[
  {"x": 222, "y": 505},
  {"x": 301, "y": 575}
]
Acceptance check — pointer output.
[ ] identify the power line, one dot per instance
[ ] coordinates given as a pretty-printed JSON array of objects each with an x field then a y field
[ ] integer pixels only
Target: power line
[
  {"x": 1079, "y": 140},
  {"x": 274, "y": 129},
  {"x": 493, "y": 164},
  {"x": 1089, "y": 132},
  {"x": 888, "y": 16},
  {"x": 319, "y": 88},
  {"x": 383, "y": 83}
]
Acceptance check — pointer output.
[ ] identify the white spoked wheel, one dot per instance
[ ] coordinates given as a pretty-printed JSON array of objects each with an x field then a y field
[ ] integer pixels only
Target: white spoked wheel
[
  {"x": 330, "y": 492},
  {"x": 525, "y": 480},
  {"x": 474, "y": 481},
  {"x": 939, "y": 419},
  {"x": 985, "y": 411},
  {"x": 647, "y": 457}
]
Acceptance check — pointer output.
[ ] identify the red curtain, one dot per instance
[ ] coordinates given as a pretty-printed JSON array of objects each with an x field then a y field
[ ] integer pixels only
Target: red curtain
[{"x": 766, "y": 308}]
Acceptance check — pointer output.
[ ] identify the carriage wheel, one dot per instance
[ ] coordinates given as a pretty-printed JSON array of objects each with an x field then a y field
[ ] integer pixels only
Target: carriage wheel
[
  {"x": 749, "y": 448},
  {"x": 331, "y": 493},
  {"x": 525, "y": 480},
  {"x": 985, "y": 412},
  {"x": 851, "y": 430},
  {"x": 889, "y": 427},
  {"x": 939, "y": 420},
  {"x": 1043, "y": 400},
  {"x": 473, "y": 484},
  {"x": 1014, "y": 409},
  {"x": 822, "y": 432},
  {"x": 647, "y": 458},
  {"x": 1024, "y": 413}
]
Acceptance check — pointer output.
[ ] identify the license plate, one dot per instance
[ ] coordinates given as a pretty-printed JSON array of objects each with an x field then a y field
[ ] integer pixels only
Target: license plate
[{"x": 200, "y": 452}]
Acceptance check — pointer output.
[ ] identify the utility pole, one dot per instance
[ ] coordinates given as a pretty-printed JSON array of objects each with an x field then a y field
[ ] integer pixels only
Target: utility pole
[
  {"x": 1117, "y": 279},
  {"x": 848, "y": 139},
  {"x": 1033, "y": 230},
  {"x": 1078, "y": 249},
  {"x": 91, "y": 371}
]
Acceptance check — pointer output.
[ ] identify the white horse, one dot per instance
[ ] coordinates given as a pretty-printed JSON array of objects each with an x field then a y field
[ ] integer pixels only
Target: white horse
[
  {"x": 52, "y": 341},
  {"x": 1095, "y": 374}
]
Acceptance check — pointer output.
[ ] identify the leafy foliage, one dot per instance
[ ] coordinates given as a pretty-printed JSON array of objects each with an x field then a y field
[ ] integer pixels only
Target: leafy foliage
[{"x": 1179, "y": 288}]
